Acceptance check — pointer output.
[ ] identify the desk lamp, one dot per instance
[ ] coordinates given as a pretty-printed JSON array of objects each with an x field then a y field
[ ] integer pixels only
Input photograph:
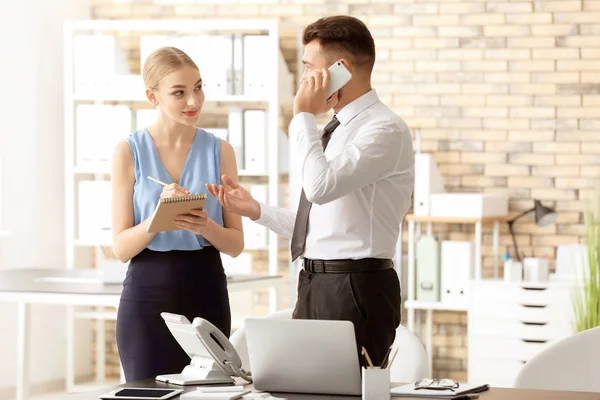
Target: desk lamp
[{"x": 544, "y": 216}]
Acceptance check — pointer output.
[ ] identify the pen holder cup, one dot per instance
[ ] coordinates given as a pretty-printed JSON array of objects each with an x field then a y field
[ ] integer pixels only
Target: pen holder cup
[
  {"x": 376, "y": 384},
  {"x": 513, "y": 271},
  {"x": 535, "y": 269}
]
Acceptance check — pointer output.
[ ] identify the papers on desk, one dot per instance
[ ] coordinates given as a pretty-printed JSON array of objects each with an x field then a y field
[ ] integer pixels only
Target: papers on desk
[
  {"x": 464, "y": 389},
  {"x": 197, "y": 394},
  {"x": 227, "y": 393},
  {"x": 261, "y": 396}
]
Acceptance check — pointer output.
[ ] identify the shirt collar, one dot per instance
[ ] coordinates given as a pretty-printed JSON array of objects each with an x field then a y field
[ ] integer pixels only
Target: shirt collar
[{"x": 354, "y": 108}]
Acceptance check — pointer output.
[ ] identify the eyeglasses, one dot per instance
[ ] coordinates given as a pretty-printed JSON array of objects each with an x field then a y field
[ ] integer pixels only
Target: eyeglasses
[{"x": 436, "y": 384}]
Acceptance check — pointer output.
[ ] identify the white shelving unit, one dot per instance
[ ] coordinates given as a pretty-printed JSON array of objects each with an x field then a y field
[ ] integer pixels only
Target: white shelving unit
[
  {"x": 127, "y": 88},
  {"x": 411, "y": 303}
]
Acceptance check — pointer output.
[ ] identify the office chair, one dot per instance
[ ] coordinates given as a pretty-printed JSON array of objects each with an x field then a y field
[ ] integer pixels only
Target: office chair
[
  {"x": 238, "y": 338},
  {"x": 572, "y": 363},
  {"x": 410, "y": 365}
]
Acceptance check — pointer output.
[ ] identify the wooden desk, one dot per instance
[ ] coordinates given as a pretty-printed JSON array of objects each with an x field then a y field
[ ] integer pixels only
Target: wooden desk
[
  {"x": 84, "y": 287},
  {"x": 492, "y": 394}
]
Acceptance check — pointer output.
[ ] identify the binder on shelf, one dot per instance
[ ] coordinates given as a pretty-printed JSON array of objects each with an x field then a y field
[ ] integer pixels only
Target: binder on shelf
[
  {"x": 256, "y": 71},
  {"x": 428, "y": 269},
  {"x": 237, "y": 70},
  {"x": 218, "y": 66},
  {"x": 101, "y": 69},
  {"x": 255, "y": 141},
  {"x": 458, "y": 260},
  {"x": 99, "y": 128},
  {"x": 427, "y": 182},
  {"x": 235, "y": 132},
  {"x": 248, "y": 134},
  {"x": 94, "y": 62},
  {"x": 213, "y": 54}
]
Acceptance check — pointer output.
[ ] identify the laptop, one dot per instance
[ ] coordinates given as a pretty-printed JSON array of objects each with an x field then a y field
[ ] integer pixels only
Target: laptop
[{"x": 303, "y": 356}]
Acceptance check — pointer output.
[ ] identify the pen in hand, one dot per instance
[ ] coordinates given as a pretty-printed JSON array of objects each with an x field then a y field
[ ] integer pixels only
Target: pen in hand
[
  {"x": 166, "y": 184},
  {"x": 157, "y": 181}
]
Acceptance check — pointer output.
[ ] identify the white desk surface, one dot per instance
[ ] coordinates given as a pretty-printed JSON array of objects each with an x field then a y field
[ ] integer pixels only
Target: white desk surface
[
  {"x": 85, "y": 286},
  {"x": 491, "y": 394}
]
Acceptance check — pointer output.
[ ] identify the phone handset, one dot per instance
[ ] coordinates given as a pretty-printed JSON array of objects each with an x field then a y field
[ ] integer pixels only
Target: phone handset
[
  {"x": 220, "y": 348},
  {"x": 214, "y": 360}
]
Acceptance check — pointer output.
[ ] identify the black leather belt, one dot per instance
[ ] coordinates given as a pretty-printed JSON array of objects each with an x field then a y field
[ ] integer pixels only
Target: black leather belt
[{"x": 347, "y": 266}]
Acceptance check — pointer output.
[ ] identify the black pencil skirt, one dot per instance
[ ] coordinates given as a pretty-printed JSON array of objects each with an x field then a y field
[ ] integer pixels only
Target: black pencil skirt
[{"x": 190, "y": 283}]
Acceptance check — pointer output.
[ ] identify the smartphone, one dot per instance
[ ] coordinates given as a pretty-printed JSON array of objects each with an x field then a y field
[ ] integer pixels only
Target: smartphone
[{"x": 338, "y": 77}]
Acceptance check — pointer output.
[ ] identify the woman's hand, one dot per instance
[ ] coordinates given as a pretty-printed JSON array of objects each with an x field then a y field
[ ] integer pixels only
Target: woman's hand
[
  {"x": 234, "y": 198},
  {"x": 173, "y": 190},
  {"x": 196, "y": 221}
]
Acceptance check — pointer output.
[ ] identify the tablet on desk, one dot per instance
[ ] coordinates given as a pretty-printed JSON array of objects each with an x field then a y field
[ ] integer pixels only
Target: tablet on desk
[{"x": 141, "y": 394}]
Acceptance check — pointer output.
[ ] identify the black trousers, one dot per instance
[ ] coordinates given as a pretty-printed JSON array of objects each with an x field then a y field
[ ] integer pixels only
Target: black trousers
[
  {"x": 190, "y": 283},
  {"x": 371, "y": 300}
]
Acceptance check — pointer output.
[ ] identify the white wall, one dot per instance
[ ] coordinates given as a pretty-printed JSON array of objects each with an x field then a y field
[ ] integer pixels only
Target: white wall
[{"x": 31, "y": 149}]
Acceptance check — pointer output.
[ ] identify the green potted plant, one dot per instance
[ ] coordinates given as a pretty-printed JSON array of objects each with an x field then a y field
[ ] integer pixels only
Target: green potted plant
[{"x": 586, "y": 295}]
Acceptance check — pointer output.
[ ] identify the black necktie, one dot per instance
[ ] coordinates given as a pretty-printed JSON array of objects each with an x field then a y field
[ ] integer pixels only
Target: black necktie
[{"x": 301, "y": 223}]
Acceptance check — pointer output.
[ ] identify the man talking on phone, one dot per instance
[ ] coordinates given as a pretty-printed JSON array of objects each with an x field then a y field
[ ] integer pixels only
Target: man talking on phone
[{"x": 357, "y": 178}]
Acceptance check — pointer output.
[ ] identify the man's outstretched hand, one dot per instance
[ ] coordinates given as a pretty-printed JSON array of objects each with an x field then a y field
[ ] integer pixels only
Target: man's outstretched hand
[{"x": 234, "y": 198}]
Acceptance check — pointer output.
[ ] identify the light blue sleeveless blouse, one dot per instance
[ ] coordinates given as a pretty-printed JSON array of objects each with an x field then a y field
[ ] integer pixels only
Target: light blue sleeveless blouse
[{"x": 203, "y": 165}]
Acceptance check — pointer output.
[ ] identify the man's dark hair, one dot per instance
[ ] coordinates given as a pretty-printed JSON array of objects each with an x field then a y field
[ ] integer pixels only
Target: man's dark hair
[{"x": 346, "y": 34}]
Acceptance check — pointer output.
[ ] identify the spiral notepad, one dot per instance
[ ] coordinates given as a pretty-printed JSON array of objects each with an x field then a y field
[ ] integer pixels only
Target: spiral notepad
[{"x": 168, "y": 208}]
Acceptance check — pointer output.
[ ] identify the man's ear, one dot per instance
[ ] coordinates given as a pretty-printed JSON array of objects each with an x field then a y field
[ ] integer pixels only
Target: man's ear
[
  {"x": 350, "y": 66},
  {"x": 151, "y": 97},
  {"x": 347, "y": 64}
]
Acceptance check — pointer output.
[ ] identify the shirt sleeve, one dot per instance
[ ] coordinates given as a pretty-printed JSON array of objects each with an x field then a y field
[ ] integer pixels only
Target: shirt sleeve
[
  {"x": 378, "y": 150},
  {"x": 277, "y": 219}
]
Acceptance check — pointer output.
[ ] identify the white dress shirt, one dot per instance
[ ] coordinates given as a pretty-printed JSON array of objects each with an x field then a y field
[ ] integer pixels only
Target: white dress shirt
[{"x": 360, "y": 187}]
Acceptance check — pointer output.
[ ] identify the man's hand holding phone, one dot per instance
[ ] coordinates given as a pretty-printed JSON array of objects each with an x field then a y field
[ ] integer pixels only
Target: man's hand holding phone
[{"x": 312, "y": 94}]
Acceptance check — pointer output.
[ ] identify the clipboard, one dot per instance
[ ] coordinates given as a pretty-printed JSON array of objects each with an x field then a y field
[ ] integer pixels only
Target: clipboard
[{"x": 168, "y": 208}]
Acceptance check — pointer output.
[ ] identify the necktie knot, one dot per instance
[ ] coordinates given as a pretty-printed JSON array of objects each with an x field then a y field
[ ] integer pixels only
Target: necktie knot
[{"x": 328, "y": 130}]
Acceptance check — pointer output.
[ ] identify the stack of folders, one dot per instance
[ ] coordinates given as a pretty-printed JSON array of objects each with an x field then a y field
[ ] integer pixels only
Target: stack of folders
[{"x": 227, "y": 393}]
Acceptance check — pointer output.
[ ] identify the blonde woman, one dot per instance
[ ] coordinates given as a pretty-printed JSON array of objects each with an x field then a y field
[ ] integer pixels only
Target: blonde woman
[{"x": 178, "y": 271}]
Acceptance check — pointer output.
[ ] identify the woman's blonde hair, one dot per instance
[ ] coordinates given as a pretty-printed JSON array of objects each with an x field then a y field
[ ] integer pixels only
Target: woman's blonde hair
[{"x": 162, "y": 62}]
